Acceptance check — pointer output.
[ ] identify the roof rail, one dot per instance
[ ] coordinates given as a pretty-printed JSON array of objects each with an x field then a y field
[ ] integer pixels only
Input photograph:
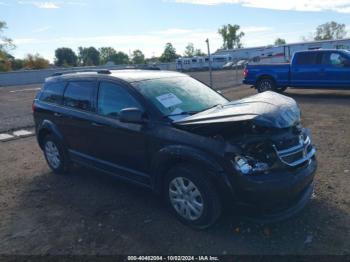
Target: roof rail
[{"x": 98, "y": 71}]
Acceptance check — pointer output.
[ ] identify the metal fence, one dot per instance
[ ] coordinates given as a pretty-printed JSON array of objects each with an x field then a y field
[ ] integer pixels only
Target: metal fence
[
  {"x": 26, "y": 77},
  {"x": 222, "y": 79}
]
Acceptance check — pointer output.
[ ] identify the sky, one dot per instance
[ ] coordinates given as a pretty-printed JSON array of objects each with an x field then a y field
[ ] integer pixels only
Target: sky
[{"x": 126, "y": 25}]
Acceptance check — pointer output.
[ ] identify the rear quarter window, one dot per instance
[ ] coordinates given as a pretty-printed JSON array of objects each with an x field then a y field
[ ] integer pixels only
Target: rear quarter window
[
  {"x": 79, "y": 95},
  {"x": 53, "y": 92}
]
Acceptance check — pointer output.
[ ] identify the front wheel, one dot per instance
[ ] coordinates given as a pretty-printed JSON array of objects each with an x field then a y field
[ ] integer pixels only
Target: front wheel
[{"x": 192, "y": 196}]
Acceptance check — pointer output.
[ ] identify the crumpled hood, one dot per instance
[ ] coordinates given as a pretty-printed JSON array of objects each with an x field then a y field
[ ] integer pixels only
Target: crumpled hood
[{"x": 267, "y": 109}]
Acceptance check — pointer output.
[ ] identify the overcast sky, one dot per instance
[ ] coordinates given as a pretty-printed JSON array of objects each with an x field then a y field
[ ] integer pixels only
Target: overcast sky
[{"x": 42, "y": 26}]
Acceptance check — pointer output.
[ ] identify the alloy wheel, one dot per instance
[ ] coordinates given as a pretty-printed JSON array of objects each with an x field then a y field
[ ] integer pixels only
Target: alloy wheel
[{"x": 52, "y": 154}]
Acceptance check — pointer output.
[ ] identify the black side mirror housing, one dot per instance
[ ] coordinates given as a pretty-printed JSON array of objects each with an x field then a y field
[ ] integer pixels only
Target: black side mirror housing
[{"x": 131, "y": 115}]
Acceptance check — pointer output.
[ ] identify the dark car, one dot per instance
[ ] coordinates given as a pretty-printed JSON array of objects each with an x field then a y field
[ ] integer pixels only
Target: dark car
[{"x": 173, "y": 134}]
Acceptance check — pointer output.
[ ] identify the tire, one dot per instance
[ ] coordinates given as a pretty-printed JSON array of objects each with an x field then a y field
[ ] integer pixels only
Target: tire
[
  {"x": 266, "y": 84},
  {"x": 55, "y": 155},
  {"x": 192, "y": 197}
]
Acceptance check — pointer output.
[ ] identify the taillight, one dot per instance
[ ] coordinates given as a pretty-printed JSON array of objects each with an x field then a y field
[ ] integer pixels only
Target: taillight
[
  {"x": 33, "y": 107},
  {"x": 245, "y": 72}
]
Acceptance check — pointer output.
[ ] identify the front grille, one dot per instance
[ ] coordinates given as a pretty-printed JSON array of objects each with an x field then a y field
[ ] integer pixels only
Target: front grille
[{"x": 296, "y": 153}]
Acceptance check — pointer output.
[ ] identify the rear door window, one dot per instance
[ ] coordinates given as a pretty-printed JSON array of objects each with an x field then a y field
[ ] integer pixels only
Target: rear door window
[
  {"x": 312, "y": 58},
  {"x": 79, "y": 95},
  {"x": 53, "y": 92},
  {"x": 112, "y": 98}
]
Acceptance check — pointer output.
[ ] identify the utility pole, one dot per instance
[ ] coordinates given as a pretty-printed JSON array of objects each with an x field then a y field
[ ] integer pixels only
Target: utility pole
[{"x": 210, "y": 71}]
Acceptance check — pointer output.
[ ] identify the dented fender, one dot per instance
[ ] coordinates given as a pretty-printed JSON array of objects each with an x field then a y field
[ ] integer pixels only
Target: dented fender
[{"x": 169, "y": 155}]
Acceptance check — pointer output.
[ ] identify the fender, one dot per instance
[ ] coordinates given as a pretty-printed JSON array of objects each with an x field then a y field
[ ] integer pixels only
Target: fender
[
  {"x": 173, "y": 154},
  {"x": 48, "y": 126},
  {"x": 281, "y": 78},
  {"x": 268, "y": 73}
]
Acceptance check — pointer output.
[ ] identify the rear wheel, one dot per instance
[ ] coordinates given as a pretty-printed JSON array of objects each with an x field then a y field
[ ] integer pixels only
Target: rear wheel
[
  {"x": 266, "y": 84},
  {"x": 192, "y": 196},
  {"x": 55, "y": 155}
]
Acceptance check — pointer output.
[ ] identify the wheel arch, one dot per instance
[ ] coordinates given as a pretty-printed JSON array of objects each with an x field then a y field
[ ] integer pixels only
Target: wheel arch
[
  {"x": 170, "y": 156},
  {"x": 265, "y": 76},
  {"x": 48, "y": 128}
]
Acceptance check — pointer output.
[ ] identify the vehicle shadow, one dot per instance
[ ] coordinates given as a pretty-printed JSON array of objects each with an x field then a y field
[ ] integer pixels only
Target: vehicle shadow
[
  {"x": 91, "y": 213},
  {"x": 318, "y": 94}
]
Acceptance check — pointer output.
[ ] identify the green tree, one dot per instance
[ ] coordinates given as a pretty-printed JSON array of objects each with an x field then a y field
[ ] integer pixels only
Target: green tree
[
  {"x": 106, "y": 54},
  {"x": 169, "y": 53},
  {"x": 120, "y": 58},
  {"x": 6, "y": 45},
  {"x": 280, "y": 41},
  {"x": 330, "y": 31},
  {"x": 138, "y": 57},
  {"x": 65, "y": 56},
  {"x": 5, "y": 61},
  {"x": 152, "y": 60},
  {"x": 189, "y": 50},
  {"x": 88, "y": 56},
  {"x": 35, "y": 62},
  {"x": 231, "y": 36},
  {"x": 199, "y": 52},
  {"x": 17, "y": 64}
]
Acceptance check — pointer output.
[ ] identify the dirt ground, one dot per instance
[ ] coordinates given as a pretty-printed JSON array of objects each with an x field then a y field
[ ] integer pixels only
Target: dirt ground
[{"x": 91, "y": 213}]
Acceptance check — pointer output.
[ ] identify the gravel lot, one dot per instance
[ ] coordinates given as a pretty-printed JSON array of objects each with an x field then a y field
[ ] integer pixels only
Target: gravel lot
[{"x": 91, "y": 213}]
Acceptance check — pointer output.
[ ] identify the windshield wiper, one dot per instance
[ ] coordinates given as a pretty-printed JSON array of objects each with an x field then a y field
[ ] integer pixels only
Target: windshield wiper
[
  {"x": 183, "y": 113},
  {"x": 212, "y": 107}
]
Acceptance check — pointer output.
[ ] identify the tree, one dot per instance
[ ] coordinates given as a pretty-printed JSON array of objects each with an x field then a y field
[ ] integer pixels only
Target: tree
[
  {"x": 189, "y": 50},
  {"x": 152, "y": 60},
  {"x": 120, "y": 58},
  {"x": 35, "y": 62},
  {"x": 106, "y": 54},
  {"x": 65, "y": 56},
  {"x": 199, "y": 52},
  {"x": 6, "y": 44},
  {"x": 330, "y": 31},
  {"x": 169, "y": 53},
  {"x": 280, "y": 41},
  {"x": 5, "y": 63},
  {"x": 138, "y": 57},
  {"x": 17, "y": 64},
  {"x": 230, "y": 36},
  {"x": 88, "y": 56}
]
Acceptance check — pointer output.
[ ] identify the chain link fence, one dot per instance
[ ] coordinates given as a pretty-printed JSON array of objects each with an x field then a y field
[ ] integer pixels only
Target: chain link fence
[{"x": 222, "y": 79}]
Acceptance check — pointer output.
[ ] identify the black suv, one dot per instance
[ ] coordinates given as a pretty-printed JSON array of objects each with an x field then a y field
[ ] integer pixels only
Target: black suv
[{"x": 173, "y": 134}]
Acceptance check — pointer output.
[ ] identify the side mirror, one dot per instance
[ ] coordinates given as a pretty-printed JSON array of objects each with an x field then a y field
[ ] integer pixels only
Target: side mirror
[
  {"x": 131, "y": 115},
  {"x": 346, "y": 63}
]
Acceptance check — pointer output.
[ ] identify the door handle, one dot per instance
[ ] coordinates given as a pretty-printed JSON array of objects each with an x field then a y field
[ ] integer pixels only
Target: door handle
[
  {"x": 57, "y": 114},
  {"x": 96, "y": 124}
]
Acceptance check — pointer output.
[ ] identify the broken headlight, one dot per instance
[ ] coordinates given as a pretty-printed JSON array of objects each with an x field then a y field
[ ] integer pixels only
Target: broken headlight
[{"x": 248, "y": 166}]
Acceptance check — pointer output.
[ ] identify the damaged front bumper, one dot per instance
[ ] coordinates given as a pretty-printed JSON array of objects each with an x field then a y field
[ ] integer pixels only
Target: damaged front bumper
[{"x": 276, "y": 196}]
